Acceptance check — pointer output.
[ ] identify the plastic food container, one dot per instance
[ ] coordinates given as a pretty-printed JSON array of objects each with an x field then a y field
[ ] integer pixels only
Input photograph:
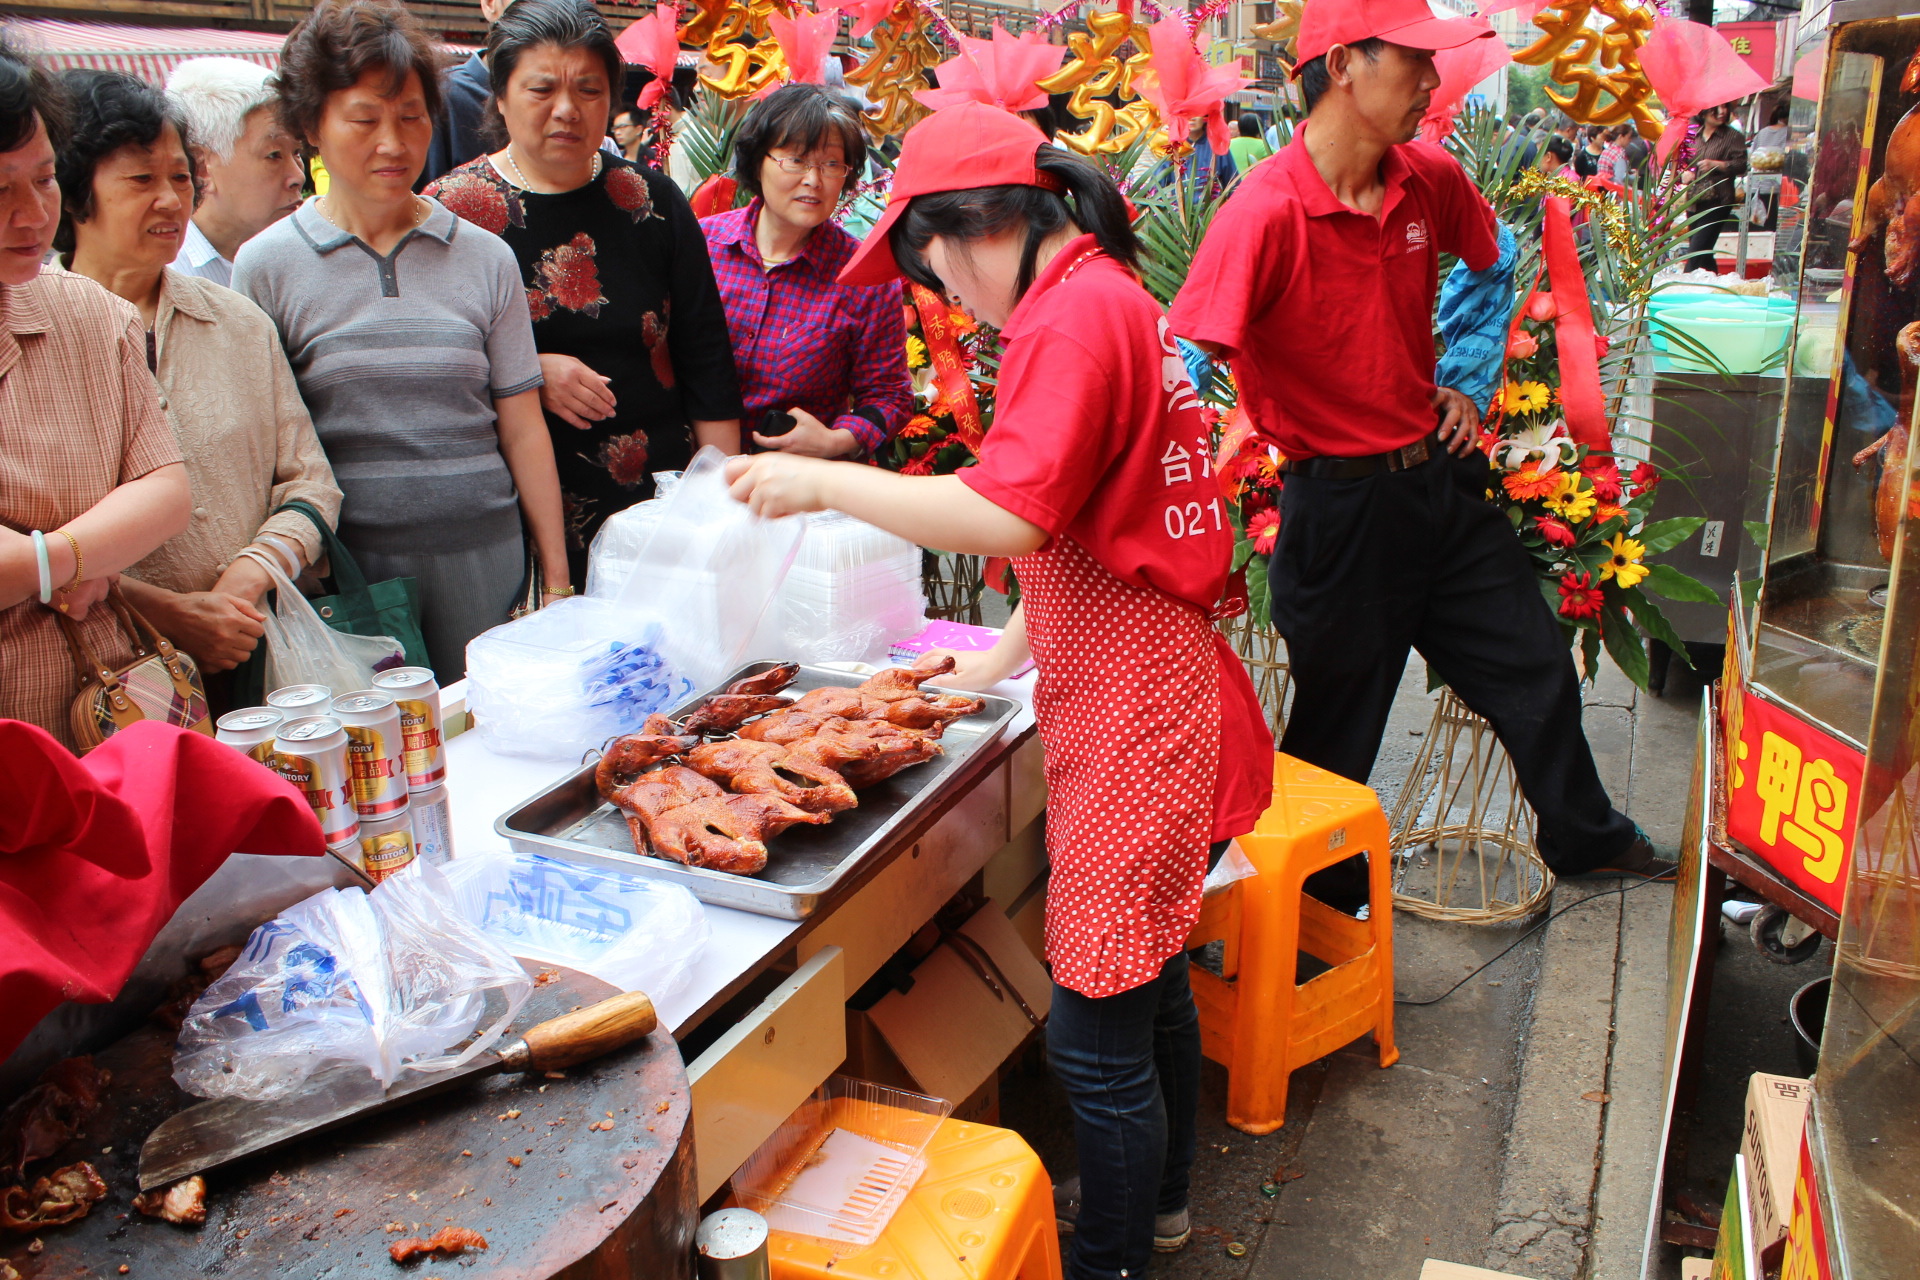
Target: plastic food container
[
  {"x": 1743, "y": 335},
  {"x": 841, "y": 1164}
]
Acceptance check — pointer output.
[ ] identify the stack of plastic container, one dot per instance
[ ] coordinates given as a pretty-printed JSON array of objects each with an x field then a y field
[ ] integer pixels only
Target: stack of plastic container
[{"x": 853, "y": 590}]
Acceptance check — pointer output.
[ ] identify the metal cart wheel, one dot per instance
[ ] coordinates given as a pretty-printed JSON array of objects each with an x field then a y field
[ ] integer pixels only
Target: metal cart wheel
[{"x": 1781, "y": 938}]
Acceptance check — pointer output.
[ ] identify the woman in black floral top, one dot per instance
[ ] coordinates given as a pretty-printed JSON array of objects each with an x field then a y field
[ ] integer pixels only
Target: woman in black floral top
[{"x": 632, "y": 337}]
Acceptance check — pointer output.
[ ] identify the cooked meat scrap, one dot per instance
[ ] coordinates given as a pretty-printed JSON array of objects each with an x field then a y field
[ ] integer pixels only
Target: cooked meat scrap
[
  {"x": 446, "y": 1240},
  {"x": 896, "y": 683},
  {"x": 183, "y": 1203},
  {"x": 63, "y": 1196},
  {"x": 45, "y": 1116},
  {"x": 769, "y": 681}
]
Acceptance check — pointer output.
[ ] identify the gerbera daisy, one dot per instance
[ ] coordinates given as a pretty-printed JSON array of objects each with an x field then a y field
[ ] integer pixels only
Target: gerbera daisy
[
  {"x": 917, "y": 426},
  {"x": 1623, "y": 562},
  {"x": 1528, "y": 397},
  {"x": 1571, "y": 502},
  {"x": 961, "y": 321},
  {"x": 1538, "y": 479},
  {"x": 1556, "y": 532},
  {"x": 1605, "y": 475},
  {"x": 1606, "y": 511},
  {"x": 1579, "y": 597},
  {"x": 1644, "y": 477},
  {"x": 1264, "y": 529},
  {"x": 916, "y": 352}
]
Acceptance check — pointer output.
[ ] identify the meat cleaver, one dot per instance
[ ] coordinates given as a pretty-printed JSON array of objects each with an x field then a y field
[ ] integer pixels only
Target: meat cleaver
[{"x": 220, "y": 1131}]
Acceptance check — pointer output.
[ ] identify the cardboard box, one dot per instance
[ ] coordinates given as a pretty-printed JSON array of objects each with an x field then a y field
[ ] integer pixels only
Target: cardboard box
[
  {"x": 1438, "y": 1270},
  {"x": 1776, "y": 1117},
  {"x": 949, "y": 1034},
  {"x": 1696, "y": 1268}
]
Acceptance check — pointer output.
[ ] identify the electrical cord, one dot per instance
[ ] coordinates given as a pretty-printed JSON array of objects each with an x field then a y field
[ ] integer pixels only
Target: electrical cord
[{"x": 1501, "y": 954}]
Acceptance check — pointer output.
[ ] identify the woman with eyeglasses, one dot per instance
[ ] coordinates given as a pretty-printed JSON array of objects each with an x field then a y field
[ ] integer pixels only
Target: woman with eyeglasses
[
  {"x": 632, "y": 340},
  {"x": 823, "y": 365}
]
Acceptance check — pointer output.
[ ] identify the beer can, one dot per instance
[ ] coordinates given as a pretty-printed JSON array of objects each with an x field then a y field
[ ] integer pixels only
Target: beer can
[
  {"x": 433, "y": 826},
  {"x": 251, "y": 729},
  {"x": 297, "y": 700},
  {"x": 372, "y": 723},
  {"x": 386, "y": 845},
  {"x": 417, "y": 694},
  {"x": 311, "y": 753}
]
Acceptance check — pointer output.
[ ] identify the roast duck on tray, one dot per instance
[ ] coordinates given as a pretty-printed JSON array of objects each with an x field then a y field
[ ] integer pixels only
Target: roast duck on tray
[{"x": 748, "y": 763}]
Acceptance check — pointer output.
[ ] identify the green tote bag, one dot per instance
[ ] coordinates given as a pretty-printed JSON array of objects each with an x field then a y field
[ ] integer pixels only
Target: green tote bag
[{"x": 362, "y": 608}]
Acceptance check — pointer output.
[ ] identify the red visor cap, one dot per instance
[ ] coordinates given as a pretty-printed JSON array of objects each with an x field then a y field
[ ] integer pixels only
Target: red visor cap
[
  {"x": 1326, "y": 23},
  {"x": 956, "y": 148}
]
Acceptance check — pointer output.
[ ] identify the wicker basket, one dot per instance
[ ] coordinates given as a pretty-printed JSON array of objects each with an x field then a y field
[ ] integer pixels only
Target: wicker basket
[
  {"x": 954, "y": 585},
  {"x": 1264, "y": 653}
]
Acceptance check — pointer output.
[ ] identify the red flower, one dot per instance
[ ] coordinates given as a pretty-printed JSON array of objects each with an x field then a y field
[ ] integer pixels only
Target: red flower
[
  {"x": 653, "y": 332},
  {"x": 920, "y": 466},
  {"x": 1600, "y": 345},
  {"x": 1645, "y": 477},
  {"x": 628, "y": 190},
  {"x": 1579, "y": 598},
  {"x": 626, "y": 457},
  {"x": 1557, "y": 532},
  {"x": 1522, "y": 344},
  {"x": 479, "y": 197},
  {"x": 917, "y": 426},
  {"x": 1540, "y": 307},
  {"x": 537, "y": 305},
  {"x": 1605, "y": 474},
  {"x": 572, "y": 277},
  {"x": 1537, "y": 479},
  {"x": 1264, "y": 529}
]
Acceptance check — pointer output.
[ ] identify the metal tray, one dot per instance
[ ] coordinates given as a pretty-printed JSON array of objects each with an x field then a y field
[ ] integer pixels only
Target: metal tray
[{"x": 571, "y": 822}]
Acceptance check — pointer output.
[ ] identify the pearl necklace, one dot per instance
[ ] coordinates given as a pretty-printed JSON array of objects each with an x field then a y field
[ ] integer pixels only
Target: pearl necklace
[
  {"x": 520, "y": 179},
  {"x": 420, "y": 210}
]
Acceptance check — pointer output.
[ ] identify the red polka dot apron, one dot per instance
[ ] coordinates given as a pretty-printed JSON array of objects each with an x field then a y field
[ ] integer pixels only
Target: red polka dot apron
[{"x": 1128, "y": 703}]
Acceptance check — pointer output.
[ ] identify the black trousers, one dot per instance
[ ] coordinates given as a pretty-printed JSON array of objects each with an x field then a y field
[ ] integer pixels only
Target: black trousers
[
  {"x": 1708, "y": 225},
  {"x": 1366, "y": 569}
]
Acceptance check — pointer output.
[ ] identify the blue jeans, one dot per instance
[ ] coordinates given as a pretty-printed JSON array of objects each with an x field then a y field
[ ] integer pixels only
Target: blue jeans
[{"x": 1130, "y": 1064}]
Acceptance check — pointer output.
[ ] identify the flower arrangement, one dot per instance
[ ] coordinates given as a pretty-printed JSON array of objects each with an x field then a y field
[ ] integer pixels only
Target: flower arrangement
[{"x": 936, "y": 440}]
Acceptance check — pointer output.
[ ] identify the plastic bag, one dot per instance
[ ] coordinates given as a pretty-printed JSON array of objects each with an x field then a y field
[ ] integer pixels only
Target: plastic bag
[
  {"x": 1234, "y": 865},
  {"x": 853, "y": 590},
  {"x": 635, "y": 932},
  {"x": 301, "y": 649},
  {"x": 568, "y": 677},
  {"x": 393, "y": 980},
  {"x": 709, "y": 571},
  {"x": 616, "y": 548}
]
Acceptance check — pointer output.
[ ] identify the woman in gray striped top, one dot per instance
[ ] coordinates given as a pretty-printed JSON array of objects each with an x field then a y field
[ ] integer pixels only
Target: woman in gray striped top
[{"x": 409, "y": 334}]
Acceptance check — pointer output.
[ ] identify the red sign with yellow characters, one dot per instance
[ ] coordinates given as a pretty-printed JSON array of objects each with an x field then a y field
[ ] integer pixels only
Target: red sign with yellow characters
[
  {"x": 1793, "y": 795},
  {"x": 1806, "y": 1255}
]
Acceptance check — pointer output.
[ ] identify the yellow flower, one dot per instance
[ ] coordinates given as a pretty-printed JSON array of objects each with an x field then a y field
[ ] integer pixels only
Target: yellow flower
[
  {"x": 1623, "y": 565},
  {"x": 1569, "y": 501},
  {"x": 916, "y": 352},
  {"x": 1525, "y": 397}
]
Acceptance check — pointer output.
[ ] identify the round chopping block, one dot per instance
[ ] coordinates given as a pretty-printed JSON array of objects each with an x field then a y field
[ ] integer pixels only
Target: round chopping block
[{"x": 584, "y": 1177}]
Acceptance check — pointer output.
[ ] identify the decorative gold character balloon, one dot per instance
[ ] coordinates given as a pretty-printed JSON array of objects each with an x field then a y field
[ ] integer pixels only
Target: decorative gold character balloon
[
  {"x": 896, "y": 70},
  {"x": 1095, "y": 72},
  {"x": 1597, "y": 64},
  {"x": 721, "y": 26}
]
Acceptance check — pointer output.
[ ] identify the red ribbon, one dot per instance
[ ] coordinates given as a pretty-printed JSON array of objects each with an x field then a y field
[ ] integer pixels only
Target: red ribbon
[
  {"x": 1581, "y": 402},
  {"x": 949, "y": 365}
]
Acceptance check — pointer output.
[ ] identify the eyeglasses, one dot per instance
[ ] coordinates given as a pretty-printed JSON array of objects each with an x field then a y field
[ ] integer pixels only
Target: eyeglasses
[{"x": 829, "y": 170}]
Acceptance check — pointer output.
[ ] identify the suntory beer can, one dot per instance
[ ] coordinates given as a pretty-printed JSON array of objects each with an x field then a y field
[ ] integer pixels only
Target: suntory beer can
[
  {"x": 372, "y": 723},
  {"x": 311, "y": 753},
  {"x": 251, "y": 729},
  {"x": 301, "y": 700},
  {"x": 433, "y": 826},
  {"x": 386, "y": 844},
  {"x": 417, "y": 694}
]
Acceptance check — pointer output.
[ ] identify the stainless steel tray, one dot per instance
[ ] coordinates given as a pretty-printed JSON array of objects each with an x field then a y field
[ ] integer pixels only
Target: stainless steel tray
[{"x": 571, "y": 822}]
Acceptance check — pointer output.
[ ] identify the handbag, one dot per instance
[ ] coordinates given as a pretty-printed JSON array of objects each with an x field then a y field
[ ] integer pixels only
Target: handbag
[
  {"x": 161, "y": 683},
  {"x": 361, "y": 608},
  {"x": 532, "y": 586}
]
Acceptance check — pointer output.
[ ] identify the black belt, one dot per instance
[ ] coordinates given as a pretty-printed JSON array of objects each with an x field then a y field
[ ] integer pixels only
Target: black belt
[{"x": 1421, "y": 450}]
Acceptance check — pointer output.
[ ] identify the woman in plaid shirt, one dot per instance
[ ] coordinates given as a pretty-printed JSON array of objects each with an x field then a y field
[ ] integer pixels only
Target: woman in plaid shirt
[{"x": 832, "y": 355}]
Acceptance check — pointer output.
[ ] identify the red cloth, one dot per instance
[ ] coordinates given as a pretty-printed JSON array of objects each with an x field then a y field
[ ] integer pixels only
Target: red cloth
[
  {"x": 1326, "y": 313},
  {"x": 96, "y": 854},
  {"x": 1097, "y": 439}
]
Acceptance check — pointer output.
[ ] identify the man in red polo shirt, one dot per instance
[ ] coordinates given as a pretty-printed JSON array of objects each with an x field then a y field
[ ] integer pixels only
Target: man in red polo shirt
[{"x": 1316, "y": 280}]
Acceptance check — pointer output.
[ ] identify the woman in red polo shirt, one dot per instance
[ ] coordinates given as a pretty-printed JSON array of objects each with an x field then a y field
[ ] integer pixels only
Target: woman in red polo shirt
[{"x": 1096, "y": 479}]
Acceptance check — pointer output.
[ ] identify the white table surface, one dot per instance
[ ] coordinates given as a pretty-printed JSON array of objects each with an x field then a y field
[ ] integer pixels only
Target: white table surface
[{"x": 482, "y": 785}]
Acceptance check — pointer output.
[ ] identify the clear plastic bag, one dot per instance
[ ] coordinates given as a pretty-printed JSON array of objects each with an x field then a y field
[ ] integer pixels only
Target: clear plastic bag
[
  {"x": 709, "y": 571},
  {"x": 853, "y": 590},
  {"x": 568, "y": 677},
  {"x": 393, "y": 980},
  {"x": 301, "y": 649},
  {"x": 637, "y": 933}
]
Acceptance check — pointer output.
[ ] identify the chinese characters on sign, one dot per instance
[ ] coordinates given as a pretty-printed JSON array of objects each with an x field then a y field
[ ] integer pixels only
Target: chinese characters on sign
[
  {"x": 1793, "y": 796},
  {"x": 1600, "y": 64},
  {"x": 1806, "y": 1255}
]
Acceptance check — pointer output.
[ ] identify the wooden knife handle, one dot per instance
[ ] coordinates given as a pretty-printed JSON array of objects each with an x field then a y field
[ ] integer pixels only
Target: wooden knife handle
[{"x": 584, "y": 1034}]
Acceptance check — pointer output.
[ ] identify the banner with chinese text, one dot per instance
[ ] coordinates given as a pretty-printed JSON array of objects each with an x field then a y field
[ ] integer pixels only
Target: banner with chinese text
[
  {"x": 1806, "y": 1255},
  {"x": 1793, "y": 795}
]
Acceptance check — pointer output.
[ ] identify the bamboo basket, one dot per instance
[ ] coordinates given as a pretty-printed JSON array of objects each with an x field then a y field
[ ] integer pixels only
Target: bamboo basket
[
  {"x": 954, "y": 585},
  {"x": 1264, "y": 653}
]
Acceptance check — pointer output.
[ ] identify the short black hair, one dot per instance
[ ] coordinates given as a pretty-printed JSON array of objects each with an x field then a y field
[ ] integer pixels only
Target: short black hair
[
  {"x": 1314, "y": 80},
  {"x": 803, "y": 117},
  {"x": 111, "y": 110},
  {"x": 528, "y": 24},
  {"x": 342, "y": 40},
  {"x": 1781, "y": 110},
  {"x": 1249, "y": 125},
  {"x": 1560, "y": 149},
  {"x": 28, "y": 93}
]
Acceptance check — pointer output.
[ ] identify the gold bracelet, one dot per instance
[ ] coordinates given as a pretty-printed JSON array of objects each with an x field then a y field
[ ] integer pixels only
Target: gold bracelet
[
  {"x": 556, "y": 591},
  {"x": 79, "y": 561}
]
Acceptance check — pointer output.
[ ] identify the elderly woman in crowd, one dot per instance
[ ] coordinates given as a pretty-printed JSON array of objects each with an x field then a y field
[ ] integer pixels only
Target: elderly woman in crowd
[
  {"x": 249, "y": 166},
  {"x": 90, "y": 478},
  {"x": 126, "y": 184},
  {"x": 832, "y": 355},
  {"x": 409, "y": 336},
  {"x": 633, "y": 341}
]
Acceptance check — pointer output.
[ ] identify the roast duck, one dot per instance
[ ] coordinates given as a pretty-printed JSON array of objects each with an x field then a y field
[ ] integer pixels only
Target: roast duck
[{"x": 773, "y": 762}]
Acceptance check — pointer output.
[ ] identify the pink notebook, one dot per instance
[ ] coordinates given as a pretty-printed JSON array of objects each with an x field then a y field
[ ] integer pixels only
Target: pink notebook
[{"x": 958, "y": 636}]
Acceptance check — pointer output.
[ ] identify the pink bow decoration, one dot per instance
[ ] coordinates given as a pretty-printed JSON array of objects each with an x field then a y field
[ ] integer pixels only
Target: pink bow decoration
[
  {"x": 868, "y": 14},
  {"x": 999, "y": 72},
  {"x": 1182, "y": 85},
  {"x": 1692, "y": 67},
  {"x": 1460, "y": 69},
  {"x": 653, "y": 42},
  {"x": 806, "y": 38},
  {"x": 1528, "y": 8}
]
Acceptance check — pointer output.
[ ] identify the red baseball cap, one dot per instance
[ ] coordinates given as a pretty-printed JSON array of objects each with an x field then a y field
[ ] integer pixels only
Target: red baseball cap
[
  {"x": 1326, "y": 23},
  {"x": 956, "y": 148}
]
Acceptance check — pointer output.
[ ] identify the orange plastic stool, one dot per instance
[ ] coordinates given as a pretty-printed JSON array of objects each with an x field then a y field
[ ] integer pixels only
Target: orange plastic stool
[
  {"x": 1254, "y": 1020},
  {"x": 983, "y": 1210}
]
